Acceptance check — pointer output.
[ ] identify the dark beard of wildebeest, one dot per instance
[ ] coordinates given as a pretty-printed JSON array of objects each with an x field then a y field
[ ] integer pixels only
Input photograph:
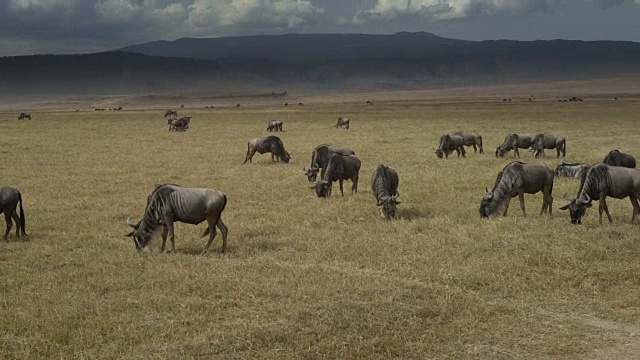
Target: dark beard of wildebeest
[
  {"x": 9, "y": 200},
  {"x": 449, "y": 143},
  {"x": 24, "y": 116},
  {"x": 340, "y": 168},
  {"x": 269, "y": 144},
  {"x": 342, "y": 121},
  {"x": 384, "y": 185},
  {"x": 181, "y": 124},
  {"x": 320, "y": 157},
  {"x": 171, "y": 113},
  {"x": 471, "y": 139},
  {"x": 517, "y": 179},
  {"x": 576, "y": 171},
  {"x": 603, "y": 180},
  {"x": 549, "y": 141},
  {"x": 169, "y": 203},
  {"x": 514, "y": 142},
  {"x": 274, "y": 125},
  {"x": 617, "y": 158}
]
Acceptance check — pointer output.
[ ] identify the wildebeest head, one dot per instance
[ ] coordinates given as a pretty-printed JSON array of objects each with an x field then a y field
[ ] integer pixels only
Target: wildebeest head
[
  {"x": 388, "y": 206},
  {"x": 312, "y": 173},
  {"x": 139, "y": 240},
  {"x": 286, "y": 157},
  {"x": 487, "y": 198},
  {"x": 439, "y": 153},
  {"x": 577, "y": 208},
  {"x": 500, "y": 152},
  {"x": 322, "y": 188}
]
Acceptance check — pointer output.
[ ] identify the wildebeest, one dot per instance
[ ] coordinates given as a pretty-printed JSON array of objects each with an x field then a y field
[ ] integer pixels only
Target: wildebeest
[
  {"x": 24, "y": 116},
  {"x": 369, "y": 102},
  {"x": 9, "y": 200},
  {"x": 517, "y": 179},
  {"x": 171, "y": 113},
  {"x": 270, "y": 144},
  {"x": 549, "y": 141},
  {"x": 169, "y": 203},
  {"x": 471, "y": 139},
  {"x": 342, "y": 121},
  {"x": 603, "y": 180},
  {"x": 238, "y": 105},
  {"x": 384, "y": 185},
  {"x": 617, "y": 158},
  {"x": 181, "y": 124},
  {"x": 320, "y": 157},
  {"x": 576, "y": 171},
  {"x": 274, "y": 125},
  {"x": 449, "y": 143},
  {"x": 340, "y": 168},
  {"x": 514, "y": 142},
  {"x": 300, "y": 104}
]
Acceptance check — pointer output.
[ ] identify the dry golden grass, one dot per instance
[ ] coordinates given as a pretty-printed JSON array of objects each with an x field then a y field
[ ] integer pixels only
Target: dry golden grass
[{"x": 307, "y": 277}]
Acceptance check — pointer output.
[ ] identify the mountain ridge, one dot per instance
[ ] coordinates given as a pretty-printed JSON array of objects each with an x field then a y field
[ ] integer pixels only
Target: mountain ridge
[{"x": 333, "y": 62}]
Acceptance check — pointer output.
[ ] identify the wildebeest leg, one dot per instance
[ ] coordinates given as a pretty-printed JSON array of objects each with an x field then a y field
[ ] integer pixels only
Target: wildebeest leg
[
  {"x": 354, "y": 186},
  {"x": 7, "y": 217},
  {"x": 16, "y": 218},
  {"x": 521, "y": 197},
  {"x": 475, "y": 150},
  {"x": 212, "y": 235},
  {"x": 169, "y": 226},
  {"x": 250, "y": 153},
  {"x": 462, "y": 150},
  {"x": 165, "y": 231},
  {"x": 340, "y": 181},
  {"x": 506, "y": 206},
  {"x": 605, "y": 207},
  {"x": 636, "y": 207},
  {"x": 516, "y": 152}
]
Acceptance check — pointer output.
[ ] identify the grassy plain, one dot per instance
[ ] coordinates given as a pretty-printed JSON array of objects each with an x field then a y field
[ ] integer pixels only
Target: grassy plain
[{"x": 306, "y": 277}]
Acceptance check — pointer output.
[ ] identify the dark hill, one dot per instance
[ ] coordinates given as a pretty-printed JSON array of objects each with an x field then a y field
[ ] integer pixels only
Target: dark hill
[{"x": 318, "y": 61}]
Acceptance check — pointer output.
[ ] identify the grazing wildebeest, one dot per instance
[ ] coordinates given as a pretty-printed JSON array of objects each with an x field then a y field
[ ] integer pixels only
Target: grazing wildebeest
[
  {"x": 369, "y": 102},
  {"x": 517, "y": 179},
  {"x": 119, "y": 108},
  {"x": 9, "y": 199},
  {"x": 171, "y": 113},
  {"x": 514, "y": 142},
  {"x": 300, "y": 104},
  {"x": 169, "y": 203},
  {"x": 320, "y": 157},
  {"x": 342, "y": 121},
  {"x": 576, "y": 171},
  {"x": 471, "y": 139},
  {"x": 449, "y": 143},
  {"x": 24, "y": 116},
  {"x": 274, "y": 125},
  {"x": 340, "y": 168},
  {"x": 286, "y": 104},
  {"x": 269, "y": 144},
  {"x": 181, "y": 106},
  {"x": 181, "y": 124},
  {"x": 549, "y": 141},
  {"x": 238, "y": 105},
  {"x": 617, "y": 158},
  {"x": 384, "y": 185},
  {"x": 603, "y": 180}
]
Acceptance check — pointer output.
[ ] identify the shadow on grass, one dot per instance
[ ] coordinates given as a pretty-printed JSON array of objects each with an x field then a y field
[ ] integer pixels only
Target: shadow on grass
[{"x": 412, "y": 213}]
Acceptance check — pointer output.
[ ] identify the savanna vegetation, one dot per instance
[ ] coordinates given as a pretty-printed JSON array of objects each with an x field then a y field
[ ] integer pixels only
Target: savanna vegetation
[{"x": 305, "y": 277}]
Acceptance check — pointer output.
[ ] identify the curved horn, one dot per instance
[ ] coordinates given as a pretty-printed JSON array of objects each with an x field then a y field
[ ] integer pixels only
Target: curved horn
[
  {"x": 135, "y": 226},
  {"x": 588, "y": 198}
]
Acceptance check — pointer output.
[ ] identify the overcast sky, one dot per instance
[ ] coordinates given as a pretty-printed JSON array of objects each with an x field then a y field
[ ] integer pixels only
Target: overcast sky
[{"x": 78, "y": 26}]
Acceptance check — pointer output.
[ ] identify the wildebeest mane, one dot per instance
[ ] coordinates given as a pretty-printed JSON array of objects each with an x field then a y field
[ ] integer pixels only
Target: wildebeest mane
[{"x": 279, "y": 146}]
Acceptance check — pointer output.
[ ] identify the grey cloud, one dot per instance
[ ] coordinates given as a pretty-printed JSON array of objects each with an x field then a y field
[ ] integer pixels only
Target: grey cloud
[{"x": 67, "y": 26}]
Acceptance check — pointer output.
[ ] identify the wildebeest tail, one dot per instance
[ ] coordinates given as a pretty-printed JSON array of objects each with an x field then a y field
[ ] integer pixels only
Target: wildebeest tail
[{"x": 22, "y": 219}]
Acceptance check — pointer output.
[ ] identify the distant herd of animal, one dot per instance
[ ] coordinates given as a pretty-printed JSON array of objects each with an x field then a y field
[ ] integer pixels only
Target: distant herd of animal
[{"x": 616, "y": 176}]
